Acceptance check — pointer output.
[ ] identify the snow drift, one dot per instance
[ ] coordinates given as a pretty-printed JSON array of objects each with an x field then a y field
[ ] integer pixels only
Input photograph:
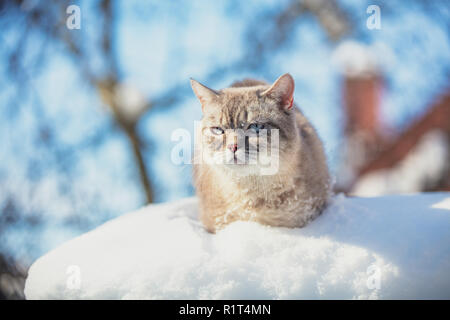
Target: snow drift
[{"x": 359, "y": 248}]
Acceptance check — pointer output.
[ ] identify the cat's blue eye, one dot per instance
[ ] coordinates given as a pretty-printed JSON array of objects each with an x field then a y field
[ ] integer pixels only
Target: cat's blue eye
[
  {"x": 256, "y": 127},
  {"x": 217, "y": 131}
]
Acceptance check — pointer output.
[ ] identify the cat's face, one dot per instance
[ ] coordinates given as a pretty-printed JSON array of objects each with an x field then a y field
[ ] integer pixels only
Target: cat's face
[{"x": 247, "y": 129}]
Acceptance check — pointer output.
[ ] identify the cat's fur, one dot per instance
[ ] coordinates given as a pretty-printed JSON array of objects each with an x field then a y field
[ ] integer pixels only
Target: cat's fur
[{"x": 293, "y": 196}]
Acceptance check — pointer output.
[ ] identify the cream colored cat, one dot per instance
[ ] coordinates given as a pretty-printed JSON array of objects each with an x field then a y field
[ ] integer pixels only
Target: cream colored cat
[{"x": 238, "y": 124}]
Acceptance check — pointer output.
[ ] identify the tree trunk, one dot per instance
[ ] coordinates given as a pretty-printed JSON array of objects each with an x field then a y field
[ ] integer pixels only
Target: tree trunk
[{"x": 143, "y": 172}]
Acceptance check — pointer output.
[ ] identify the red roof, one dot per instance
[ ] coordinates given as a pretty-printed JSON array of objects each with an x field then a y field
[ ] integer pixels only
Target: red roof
[{"x": 437, "y": 117}]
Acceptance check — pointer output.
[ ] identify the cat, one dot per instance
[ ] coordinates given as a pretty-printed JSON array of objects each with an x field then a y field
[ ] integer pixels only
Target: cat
[{"x": 234, "y": 188}]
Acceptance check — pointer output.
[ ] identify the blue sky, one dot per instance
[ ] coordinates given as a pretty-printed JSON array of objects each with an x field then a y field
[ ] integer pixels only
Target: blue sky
[{"x": 167, "y": 43}]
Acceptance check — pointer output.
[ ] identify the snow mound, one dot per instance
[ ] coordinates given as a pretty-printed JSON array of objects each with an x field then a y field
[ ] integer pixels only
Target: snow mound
[{"x": 359, "y": 248}]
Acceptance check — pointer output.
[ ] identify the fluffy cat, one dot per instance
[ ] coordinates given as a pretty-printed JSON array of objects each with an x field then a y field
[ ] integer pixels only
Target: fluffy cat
[{"x": 230, "y": 182}]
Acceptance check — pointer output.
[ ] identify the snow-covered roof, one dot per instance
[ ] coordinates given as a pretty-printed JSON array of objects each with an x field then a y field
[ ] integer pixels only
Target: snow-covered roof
[
  {"x": 404, "y": 164},
  {"x": 413, "y": 172}
]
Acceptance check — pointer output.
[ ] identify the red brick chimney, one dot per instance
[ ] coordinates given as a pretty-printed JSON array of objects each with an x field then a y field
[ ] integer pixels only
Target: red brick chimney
[
  {"x": 361, "y": 100},
  {"x": 362, "y": 97}
]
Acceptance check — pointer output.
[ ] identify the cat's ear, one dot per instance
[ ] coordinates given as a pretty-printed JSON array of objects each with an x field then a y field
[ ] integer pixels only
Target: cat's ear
[
  {"x": 203, "y": 93},
  {"x": 282, "y": 90}
]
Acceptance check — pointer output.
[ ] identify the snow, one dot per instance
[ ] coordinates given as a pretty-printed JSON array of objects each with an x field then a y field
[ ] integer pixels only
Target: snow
[
  {"x": 130, "y": 100},
  {"x": 356, "y": 59},
  {"x": 359, "y": 248}
]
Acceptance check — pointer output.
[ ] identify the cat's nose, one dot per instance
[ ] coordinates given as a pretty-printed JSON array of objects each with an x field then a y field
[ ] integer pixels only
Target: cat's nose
[{"x": 232, "y": 147}]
